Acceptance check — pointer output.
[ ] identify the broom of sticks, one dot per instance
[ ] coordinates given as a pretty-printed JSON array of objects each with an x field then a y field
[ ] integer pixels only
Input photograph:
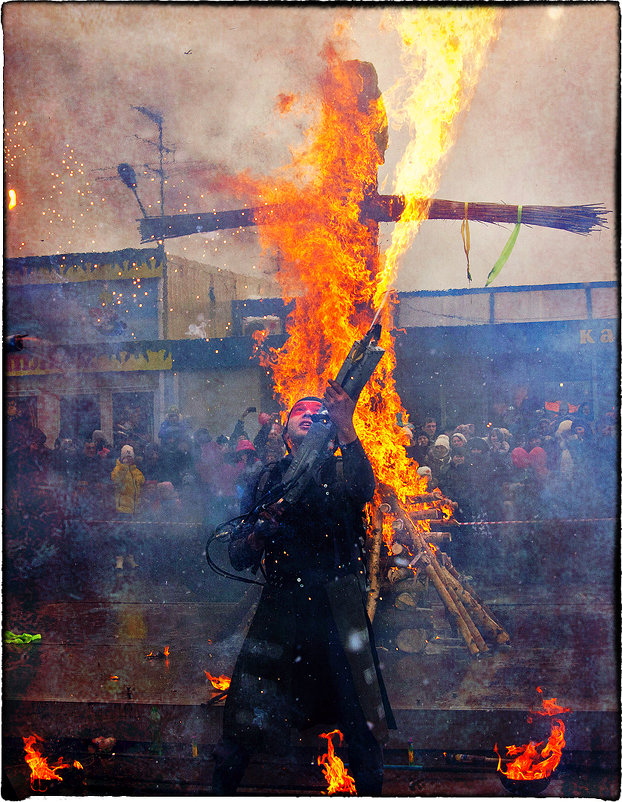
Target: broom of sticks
[{"x": 575, "y": 219}]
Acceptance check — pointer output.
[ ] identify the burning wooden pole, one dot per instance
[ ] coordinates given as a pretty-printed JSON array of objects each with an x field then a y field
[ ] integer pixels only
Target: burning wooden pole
[
  {"x": 374, "y": 562},
  {"x": 388, "y": 208},
  {"x": 467, "y": 612}
]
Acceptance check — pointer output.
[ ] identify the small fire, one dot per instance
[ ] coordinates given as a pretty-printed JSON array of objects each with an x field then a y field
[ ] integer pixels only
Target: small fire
[
  {"x": 12, "y": 199},
  {"x": 221, "y": 683},
  {"x": 335, "y": 773},
  {"x": 167, "y": 651},
  {"x": 536, "y": 761},
  {"x": 40, "y": 770}
]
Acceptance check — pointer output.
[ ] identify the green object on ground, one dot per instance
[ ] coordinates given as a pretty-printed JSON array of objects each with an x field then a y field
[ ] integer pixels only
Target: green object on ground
[{"x": 11, "y": 637}]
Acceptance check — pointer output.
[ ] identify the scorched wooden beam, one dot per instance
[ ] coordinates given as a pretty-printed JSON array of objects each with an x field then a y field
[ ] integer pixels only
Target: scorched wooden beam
[{"x": 387, "y": 208}]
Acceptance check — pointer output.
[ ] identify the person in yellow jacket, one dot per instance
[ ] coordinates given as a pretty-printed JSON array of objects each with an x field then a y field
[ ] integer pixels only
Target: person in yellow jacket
[{"x": 128, "y": 481}]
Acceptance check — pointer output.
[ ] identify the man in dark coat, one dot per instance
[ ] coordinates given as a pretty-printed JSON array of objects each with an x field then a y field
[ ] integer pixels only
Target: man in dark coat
[{"x": 309, "y": 656}]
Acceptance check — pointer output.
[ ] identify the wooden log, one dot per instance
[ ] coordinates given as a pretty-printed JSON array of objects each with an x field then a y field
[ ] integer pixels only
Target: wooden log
[
  {"x": 502, "y": 637},
  {"x": 427, "y": 498},
  {"x": 467, "y": 612},
  {"x": 475, "y": 633},
  {"x": 478, "y": 613},
  {"x": 426, "y": 515},
  {"x": 456, "y": 614},
  {"x": 374, "y": 563},
  {"x": 451, "y": 608},
  {"x": 438, "y": 537}
]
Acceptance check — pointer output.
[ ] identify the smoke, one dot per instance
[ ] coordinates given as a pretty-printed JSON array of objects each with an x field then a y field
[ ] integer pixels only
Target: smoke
[{"x": 541, "y": 128}]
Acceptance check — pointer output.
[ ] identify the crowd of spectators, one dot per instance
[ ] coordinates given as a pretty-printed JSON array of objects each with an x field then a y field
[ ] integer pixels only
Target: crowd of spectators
[
  {"x": 179, "y": 475},
  {"x": 547, "y": 465}
]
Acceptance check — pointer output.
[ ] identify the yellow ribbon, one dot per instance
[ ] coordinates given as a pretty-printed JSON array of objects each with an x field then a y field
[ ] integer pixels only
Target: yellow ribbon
[{"x": 466, "y": 237}]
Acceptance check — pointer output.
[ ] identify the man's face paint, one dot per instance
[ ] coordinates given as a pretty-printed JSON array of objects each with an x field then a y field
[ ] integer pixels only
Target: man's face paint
[{"x": 300, "y": 418}]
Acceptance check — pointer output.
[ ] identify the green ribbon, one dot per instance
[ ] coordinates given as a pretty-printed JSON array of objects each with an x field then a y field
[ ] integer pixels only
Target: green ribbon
[
  {"x": 11, "y": 637},
  {"x": 505, "y": 253}
]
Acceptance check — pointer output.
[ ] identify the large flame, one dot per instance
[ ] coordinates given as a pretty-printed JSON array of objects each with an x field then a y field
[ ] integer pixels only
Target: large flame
[
  {"x": 443, "y": 53},
  {"x": 335, "y": 773},
  {"x": 40, "y": 770},
  {"x": 327, "y": 251}
]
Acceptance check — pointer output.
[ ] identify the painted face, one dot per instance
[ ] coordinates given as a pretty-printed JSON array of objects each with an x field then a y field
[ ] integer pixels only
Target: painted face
[{"x": 300, "y": 418}]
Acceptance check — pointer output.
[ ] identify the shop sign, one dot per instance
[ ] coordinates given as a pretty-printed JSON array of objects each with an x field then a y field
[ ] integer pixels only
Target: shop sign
[
  {"x": 592, "y": 336},
  {"x": 20, "y": 364}
]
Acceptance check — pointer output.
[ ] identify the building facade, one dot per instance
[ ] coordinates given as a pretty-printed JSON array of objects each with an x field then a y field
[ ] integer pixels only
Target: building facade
[{"x": 102, "y": 346}]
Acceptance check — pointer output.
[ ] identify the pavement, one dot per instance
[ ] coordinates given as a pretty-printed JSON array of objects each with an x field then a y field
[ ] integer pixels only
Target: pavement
[{"x": 98, "y": 687}]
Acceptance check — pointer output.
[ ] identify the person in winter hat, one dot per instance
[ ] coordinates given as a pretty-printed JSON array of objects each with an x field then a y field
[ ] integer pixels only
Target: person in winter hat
[
  {"x": 419, "y": 449},
  {"x": 497, "y": 441},
  {"x": 458, "y": 443},
  {"x": 438, "y": 458},
  {"x": 426, "y": 472}
]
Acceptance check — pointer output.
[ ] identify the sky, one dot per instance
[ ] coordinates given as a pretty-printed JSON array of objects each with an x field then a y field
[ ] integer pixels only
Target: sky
[{"x": 541, "y": 128}]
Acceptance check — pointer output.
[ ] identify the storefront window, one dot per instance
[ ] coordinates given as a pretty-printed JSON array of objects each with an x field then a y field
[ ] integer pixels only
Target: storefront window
[
  {"x": 132, "y": 416},
  {"x": 79, "y": 417}
]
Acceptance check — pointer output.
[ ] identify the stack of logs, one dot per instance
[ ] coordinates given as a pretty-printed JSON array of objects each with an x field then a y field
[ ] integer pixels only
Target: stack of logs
[{"x": 466, "y": 610}]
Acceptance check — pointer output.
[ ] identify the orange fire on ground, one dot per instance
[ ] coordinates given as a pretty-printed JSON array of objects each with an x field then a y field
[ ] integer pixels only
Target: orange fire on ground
[
  {"x": 328, "y": 253},
  {"x": 221, "y": 683},
  {"x": 536, "y": 761},
  {"x": 40, "y": 770},
  {"x": 333, "y": 769}
]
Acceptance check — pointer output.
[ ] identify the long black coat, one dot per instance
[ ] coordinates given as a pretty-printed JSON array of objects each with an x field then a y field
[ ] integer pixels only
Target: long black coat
[{"x": 309, "y": 655}]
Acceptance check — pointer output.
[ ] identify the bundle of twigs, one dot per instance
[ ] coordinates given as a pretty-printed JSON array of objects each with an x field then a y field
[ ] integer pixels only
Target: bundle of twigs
[{"x": 576, "y": 219}]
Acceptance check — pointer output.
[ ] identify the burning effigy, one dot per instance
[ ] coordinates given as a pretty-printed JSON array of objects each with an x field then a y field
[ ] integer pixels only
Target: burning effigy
[{"x": 321, "y": 214}]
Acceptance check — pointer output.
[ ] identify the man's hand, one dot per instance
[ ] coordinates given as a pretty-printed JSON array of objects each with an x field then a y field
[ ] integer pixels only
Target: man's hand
[
  {"x": 341, "y": 409},
  {"x": 267, "y": 525}
]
